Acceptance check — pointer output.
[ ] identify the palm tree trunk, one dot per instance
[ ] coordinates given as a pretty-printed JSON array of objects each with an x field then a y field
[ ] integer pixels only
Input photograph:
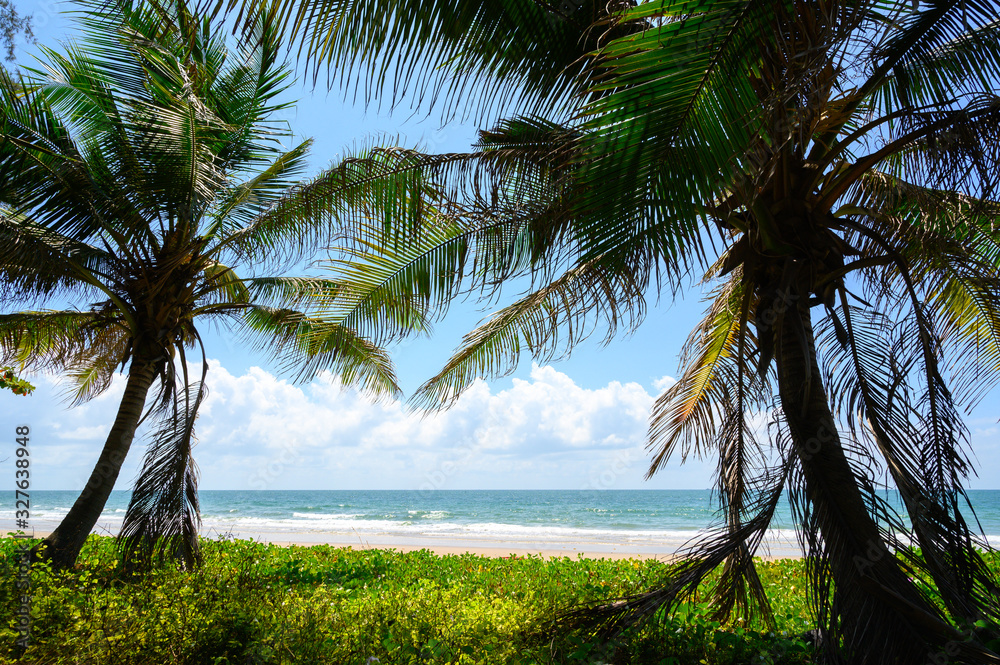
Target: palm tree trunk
[
  {"x": 880, "y": 615},
  {"x": 63, "y": 545}
]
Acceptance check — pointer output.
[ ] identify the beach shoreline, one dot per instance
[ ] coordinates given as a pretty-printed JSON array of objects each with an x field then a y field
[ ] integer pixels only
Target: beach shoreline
[
  {"x": 498, "y": 552},
  {"x": 492, "y": 549},
  {"x": 612, "y": 524}
]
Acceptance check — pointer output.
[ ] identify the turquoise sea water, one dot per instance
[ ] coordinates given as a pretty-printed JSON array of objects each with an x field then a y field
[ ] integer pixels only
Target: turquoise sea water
[{"x": 633, "y": 520}]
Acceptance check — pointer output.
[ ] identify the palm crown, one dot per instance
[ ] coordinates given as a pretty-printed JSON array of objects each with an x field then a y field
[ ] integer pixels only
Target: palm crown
[
  {"x": 141, "y": 169},
  {"x": 832, "y": 168}
]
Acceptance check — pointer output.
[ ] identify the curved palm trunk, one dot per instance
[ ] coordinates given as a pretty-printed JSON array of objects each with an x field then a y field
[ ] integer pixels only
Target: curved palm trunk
[
  {"x": 63, "y": 546},
  {"x": 880, "y": 615}
]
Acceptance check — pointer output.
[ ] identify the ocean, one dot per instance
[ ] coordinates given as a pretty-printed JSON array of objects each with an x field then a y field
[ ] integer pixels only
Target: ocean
[{"x": 641, "y": 521}]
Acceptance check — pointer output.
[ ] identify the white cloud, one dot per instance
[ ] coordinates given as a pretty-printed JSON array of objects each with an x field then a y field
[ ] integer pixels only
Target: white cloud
[
  {"x": 663, "y": 383},
  {"x": 546, "y": 431},
  {"x": 83, "y": 433},
  {"x": 256, "y": 430}
]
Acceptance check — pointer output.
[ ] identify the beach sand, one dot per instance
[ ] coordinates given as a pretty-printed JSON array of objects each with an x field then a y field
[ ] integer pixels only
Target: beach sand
[
  {"x": 507, "y": 552},
  {"x": 487, "y": 548},
  {"x": 491, "y": 548},
  {"x": 499, "y": 550}
]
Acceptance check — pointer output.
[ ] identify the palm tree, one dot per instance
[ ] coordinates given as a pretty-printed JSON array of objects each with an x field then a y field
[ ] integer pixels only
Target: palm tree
[
  {"x": 832, "y": 167},
  {"x": 141, "y": 169}
]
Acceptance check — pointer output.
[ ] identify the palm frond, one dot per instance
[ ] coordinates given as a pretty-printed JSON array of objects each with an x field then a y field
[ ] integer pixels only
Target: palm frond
[
  {"x": 950, "y": 150},
  {"x": 385, "y": 291},
  {"x": 248, "y": 94},
  {"x": 672, "y": 121},
  {"x": 306, "y": 216},
  {"x": 94, "y": 375},
  {"x": 37, "y": 262},
  {"x": 293, "y": 291},
  {"x": 242, "y": 203},
  {"x": 222, "y": 286},
  {"x": 933, "y": 48},
  {"x": 545, "y": 321},
  {"x": 869, "y": 378},
  {"x": 958, "y": 63},
  {"x": 59, "y": 340},
  {"x": 949, "y": 242},
  {"x": 42, "y": 163},
  {"x": 435, "y": 52},
  {"x": 690, "y": 413},
  {"x": 162, "y": 518},
  {"x": 310, "y": 345}
]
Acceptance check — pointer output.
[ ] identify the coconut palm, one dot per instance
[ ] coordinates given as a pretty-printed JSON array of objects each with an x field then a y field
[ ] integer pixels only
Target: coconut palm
[
  {"x": 142, "y": 168},
  {"x": 832, "y": 168}
]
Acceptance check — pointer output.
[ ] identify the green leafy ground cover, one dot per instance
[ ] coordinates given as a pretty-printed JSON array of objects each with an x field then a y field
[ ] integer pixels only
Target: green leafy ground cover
[{"x": 257, "y": 603}]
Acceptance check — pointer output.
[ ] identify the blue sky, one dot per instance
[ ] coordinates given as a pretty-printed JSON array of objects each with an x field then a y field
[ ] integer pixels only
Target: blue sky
[{"x": 572, "y": 424}]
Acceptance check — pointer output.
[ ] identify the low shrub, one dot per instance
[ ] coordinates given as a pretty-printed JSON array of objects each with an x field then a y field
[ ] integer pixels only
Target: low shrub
[{"x": 254, "y": 602}]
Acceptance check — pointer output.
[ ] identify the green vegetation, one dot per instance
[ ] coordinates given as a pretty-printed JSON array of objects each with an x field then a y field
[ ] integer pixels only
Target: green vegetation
[
  {"x": 14, "y": 383},
  {"x": 257, "y": 603}
]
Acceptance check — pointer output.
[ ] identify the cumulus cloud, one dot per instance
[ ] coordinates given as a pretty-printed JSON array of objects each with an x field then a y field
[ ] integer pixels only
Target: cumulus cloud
[
  {"x": 257, "y": 431},
  {"x": 663, "y": 383},
  {"x": 545, "y": 431},
  {"x": 64, "y": 442}
]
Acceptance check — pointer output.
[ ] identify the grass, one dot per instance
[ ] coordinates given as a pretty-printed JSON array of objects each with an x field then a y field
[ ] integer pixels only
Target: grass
[{"x": 258, "y": 603}]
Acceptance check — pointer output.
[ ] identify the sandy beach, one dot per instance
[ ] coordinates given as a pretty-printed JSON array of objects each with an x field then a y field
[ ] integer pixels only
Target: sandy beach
[
  {"x": 499, "y": 550},
  {"x": 493, "y": 523},
  {"x": 491, "y": 549}
]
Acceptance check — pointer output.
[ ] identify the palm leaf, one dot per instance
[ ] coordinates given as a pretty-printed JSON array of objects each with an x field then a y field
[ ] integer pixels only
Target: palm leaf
[
  {"x": 241, "y": 204},
  {"x": 870, "y": 379},
  {"x": 553, "y": 317},
  {"x": 306, "y": 216},
  {"x": 162, "y": 518},
  {"x": 655, "y": 138},
  {"x": 59, "y": 339},
  {"x": 38, "y": 262},
  {"x": 940, "y": 38},
  {"x": 536, "y": 47},
  {"x": 696, "y": 561},
  {"x": 311, "y": 345},
  {"x": 690, "y": 413}
]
